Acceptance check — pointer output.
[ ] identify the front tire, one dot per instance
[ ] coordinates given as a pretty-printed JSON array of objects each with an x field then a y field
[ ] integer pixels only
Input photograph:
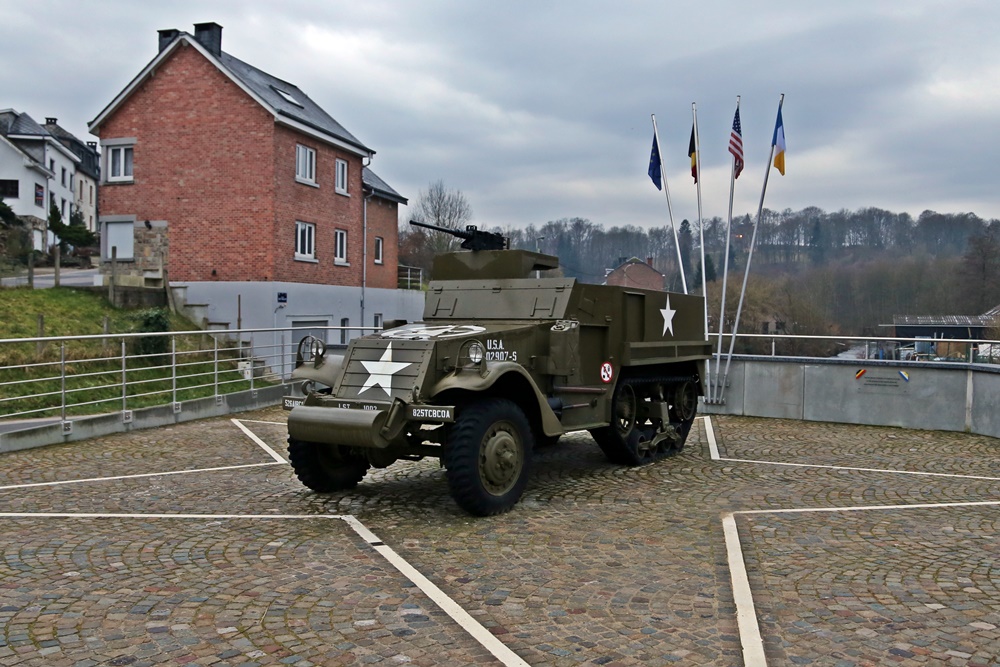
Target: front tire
[
  {"x": 325, "y": 468},
  {"x": 488, "y": 456}
]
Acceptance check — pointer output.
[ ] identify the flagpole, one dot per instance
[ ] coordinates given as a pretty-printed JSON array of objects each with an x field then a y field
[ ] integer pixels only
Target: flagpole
[
  {"x": 701, "y": 236},
  {"x": 753, "y": 241},
  {"x": 725, "y": 269},
  {"x": 670, "y": 210}
]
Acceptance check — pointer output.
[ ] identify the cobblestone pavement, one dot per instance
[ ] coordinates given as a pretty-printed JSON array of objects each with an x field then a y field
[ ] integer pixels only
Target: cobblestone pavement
[{"x": 598, "y": 565}]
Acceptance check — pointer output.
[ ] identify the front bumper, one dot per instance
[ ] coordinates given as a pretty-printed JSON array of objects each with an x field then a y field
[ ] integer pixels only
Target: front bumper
[{"x": 361, "y": 424}]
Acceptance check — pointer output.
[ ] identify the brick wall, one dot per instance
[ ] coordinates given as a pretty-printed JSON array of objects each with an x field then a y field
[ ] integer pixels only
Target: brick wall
[
  {"x": 203, "y": 161},
  {"x": 382, "y": 221},
  {"x": 320, "y": 205}
]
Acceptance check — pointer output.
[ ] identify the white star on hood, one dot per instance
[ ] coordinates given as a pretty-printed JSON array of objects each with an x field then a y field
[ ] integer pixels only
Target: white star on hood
[
  {"x": 381, "y": 371},
  {"x": 668, "y": 318}
]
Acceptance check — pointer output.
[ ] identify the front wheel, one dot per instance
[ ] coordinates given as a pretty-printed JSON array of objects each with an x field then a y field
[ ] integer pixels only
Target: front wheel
[
  {"x": 325, "y": 468},
  {"x": 488, "y": 455}
]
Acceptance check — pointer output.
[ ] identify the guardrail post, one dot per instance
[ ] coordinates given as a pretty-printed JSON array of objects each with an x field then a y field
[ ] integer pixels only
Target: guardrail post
[
  {"x": 173, "y": 374},
  {"x": 62, "y": 384},
  {"x": 126, "y": 413},
  {"x": 253, "y": 367}
]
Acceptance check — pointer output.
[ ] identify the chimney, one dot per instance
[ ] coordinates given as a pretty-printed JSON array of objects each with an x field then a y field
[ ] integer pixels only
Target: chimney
[
  {"x": 649, "y": 260},
  {"x": 51, "y": 121},
  {"x": 209, "y": 35},
  {"x": 166, "y": 37}
]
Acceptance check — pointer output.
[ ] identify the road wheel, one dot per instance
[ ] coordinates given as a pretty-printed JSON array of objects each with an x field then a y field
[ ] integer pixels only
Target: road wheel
[
  {"x": 623, "y": 441},
  {"x": 325, "y": 468},
  {"x": 488, "y": 455}
]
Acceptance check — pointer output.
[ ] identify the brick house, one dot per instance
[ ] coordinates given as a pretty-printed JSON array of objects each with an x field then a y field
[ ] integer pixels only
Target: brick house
[
  {"x": 242, "y": 192},
  {"x": 634, "y": 272}
]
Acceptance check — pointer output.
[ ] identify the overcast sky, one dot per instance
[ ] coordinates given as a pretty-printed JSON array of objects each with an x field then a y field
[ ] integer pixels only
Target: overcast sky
[{"x": 538, "y": 111}]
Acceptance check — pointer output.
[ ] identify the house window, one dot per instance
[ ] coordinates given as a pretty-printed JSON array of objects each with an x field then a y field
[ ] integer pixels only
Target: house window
[
  {"x": 341, "y": 185},
  {"x": 63, "y": 181},
  {"x": 378, "y": 320},
  {"x": 120, "y": 164},
  {"x": 9, "y": 189},
  {"x": 344, "y": 323},
  {"x": 305, "y": 164},
  {"x": 378, "y": 249},
  {"x": 39, "y": 195},
  {"x": 120, "y": 235},
  {"x": 64, "y": 210},
  {"x": 340, "y": 247},
  {"x": 305, "y": 240}
]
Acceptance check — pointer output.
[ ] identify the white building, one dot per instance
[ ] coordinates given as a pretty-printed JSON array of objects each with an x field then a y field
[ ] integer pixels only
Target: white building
[{"x": 36, "y": 170}]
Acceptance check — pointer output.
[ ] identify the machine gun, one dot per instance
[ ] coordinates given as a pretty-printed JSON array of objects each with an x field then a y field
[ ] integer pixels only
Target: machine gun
[{"x": 472, "y": 238}]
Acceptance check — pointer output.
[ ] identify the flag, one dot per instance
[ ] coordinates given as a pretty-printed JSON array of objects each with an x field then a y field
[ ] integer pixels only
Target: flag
[
  {"x": 655, "y": 165},
  {"x": 693, "y": 154},
  {"x": 736, "y": 144},
  {"x": 778, "y": 142}
]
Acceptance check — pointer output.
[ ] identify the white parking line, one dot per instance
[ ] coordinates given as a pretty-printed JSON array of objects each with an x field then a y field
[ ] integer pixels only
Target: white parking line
[
  {"x": 746, "y": 615},
  {"x": 137, "y": 476},
  {"x": 263, "y": 445},
  {"x": 474, "y": 628}
]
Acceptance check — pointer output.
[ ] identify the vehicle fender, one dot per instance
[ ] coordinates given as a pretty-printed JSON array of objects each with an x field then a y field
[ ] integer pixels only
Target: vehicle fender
[
  {"x": 325, "y": 374},
  {"x": 472, "y": 380}
]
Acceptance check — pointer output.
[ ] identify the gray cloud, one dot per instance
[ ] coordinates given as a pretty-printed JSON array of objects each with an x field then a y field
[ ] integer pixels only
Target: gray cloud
[{"x": 538, "y": 111}]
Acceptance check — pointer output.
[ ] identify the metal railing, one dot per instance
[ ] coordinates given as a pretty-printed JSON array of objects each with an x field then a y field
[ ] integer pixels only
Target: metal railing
[
  {"x": 60, "y": 377},
  {"x": 64, "y": 376}
]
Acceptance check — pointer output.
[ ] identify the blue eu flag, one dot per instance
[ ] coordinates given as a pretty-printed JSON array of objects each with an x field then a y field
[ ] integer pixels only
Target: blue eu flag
[{"x": 654, "y": 165}]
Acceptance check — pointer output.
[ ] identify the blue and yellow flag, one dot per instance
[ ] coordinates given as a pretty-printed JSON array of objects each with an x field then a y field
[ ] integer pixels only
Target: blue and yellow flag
[{"x": 778, "y": 142}]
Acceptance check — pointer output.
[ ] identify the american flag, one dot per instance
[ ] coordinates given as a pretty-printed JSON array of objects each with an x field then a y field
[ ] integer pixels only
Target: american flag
[{"x": 736, "y": 144}]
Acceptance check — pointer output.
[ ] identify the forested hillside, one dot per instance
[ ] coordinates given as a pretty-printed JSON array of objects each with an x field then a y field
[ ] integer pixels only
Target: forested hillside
[{"x": 816, "y": 272}]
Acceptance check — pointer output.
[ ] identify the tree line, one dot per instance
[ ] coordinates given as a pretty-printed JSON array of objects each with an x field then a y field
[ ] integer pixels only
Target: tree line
[{"x": 813, "y": 272}]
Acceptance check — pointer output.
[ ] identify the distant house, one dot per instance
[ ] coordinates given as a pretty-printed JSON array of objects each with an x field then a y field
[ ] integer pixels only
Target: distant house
[
  {"x": 244, "y": 194},
  {"x": 945, "y": 326},
  {"x": 88, "y": 172},
  {"x": 36, "y": 171},
  {"x": 633, "y": 272}
]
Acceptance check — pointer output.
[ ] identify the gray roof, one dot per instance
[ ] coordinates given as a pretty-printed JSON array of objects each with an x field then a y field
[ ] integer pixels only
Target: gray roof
[
  {"x": 306, "y": 111},
  {"x": 280, "y": 97},
  {"x": 380, "y": 187},
  {"x": 942, "y": 320},
  {"x": 20, "y": 124}
]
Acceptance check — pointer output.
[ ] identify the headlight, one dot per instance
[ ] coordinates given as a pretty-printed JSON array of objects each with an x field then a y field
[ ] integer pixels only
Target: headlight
[
  {"x": 317, "y": 349},
  {"x": 476, "y": 353}
]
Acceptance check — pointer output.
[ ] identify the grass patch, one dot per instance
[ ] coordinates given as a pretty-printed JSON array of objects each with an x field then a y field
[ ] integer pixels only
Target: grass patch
[{"x": 32, "y": 378}]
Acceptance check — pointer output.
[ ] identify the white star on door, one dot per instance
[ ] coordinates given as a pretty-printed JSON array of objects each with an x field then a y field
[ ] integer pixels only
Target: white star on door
[
  {"x": 668, "y": 318},
  {"x": 381, "y": 371}
]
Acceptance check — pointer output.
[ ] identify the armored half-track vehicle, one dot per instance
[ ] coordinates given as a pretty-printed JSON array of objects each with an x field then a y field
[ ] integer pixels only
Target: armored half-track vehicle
[{"x": 502, "y": 362}]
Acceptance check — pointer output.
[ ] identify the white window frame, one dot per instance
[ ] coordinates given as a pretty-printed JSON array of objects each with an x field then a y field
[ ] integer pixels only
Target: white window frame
[
  {"x": 120, "y": 233},
  {"x": 377, "y": 320},
  {"x": 341, "y": 181},
  {"x": 305, "y": 241},
  {"x": 305, "y": 164},
  {"x": 379, "y": 252},
  {"x": 120, "y": 163},
  {"x": 340, "y": 247}
]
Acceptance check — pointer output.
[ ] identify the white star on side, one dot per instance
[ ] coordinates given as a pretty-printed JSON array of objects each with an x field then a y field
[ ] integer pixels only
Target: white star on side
[
  {"x": 381, "y": 371},
  {"x": 668, "y": 318}
]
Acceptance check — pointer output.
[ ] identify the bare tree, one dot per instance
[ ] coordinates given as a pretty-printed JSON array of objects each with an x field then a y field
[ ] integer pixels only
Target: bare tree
[{"x": 440, "y": 206}]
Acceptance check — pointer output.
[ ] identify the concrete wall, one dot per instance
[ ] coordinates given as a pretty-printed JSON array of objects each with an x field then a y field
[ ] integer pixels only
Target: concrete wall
[
  {"x": 83, "y": 428},
  {"x": 933, "y": 396}
]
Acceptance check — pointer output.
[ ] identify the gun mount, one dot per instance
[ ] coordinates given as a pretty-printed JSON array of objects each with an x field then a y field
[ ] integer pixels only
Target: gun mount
[{"x": 472, "y": 238}]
